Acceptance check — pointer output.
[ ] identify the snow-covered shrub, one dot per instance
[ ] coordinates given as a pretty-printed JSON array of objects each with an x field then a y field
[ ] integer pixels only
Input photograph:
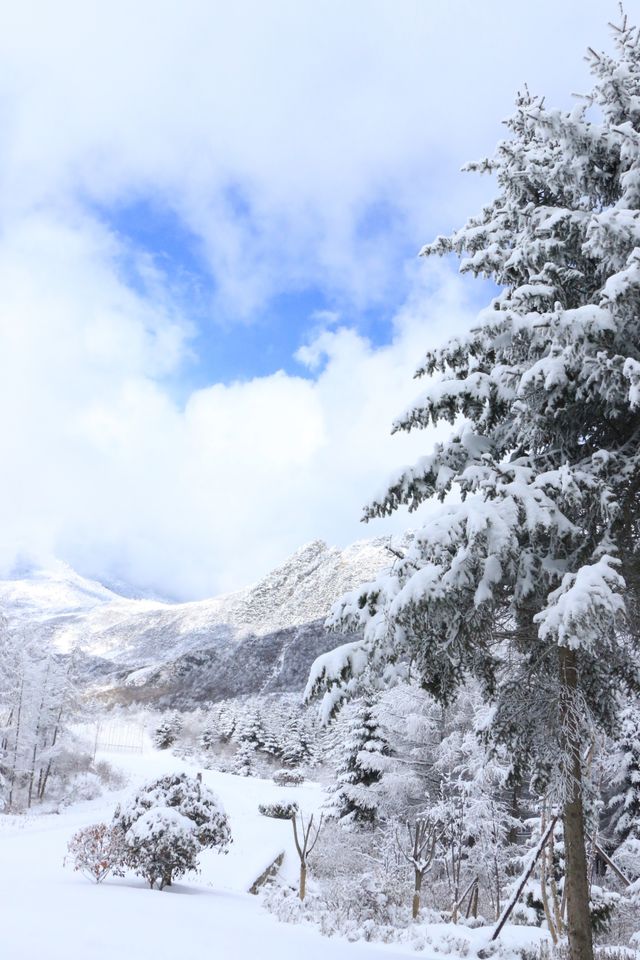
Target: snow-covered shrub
[
  {"x": 279, "y": 809},
  {"x": 191, "y": 816},
  {"x": 110, "y": 777},
  {"x": 288, "y": 778},
  {"x": 83, "y": 786},
  {"x": 97, "y": 851},
  {"x": 190, "y": 797},
  {"x": 162, "y": 845},
  {"x": 345, "y": 899}
]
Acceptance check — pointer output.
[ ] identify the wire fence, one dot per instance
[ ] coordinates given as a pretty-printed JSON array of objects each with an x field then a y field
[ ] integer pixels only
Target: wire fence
[{"x": 117, "y": 737}]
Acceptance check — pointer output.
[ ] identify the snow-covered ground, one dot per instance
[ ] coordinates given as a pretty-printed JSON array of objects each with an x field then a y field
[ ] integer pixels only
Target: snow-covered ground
[{"x": 52, "y": 913}]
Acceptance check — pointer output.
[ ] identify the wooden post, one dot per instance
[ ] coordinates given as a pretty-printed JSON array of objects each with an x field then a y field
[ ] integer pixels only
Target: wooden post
[{"x": 506, "y": 913}]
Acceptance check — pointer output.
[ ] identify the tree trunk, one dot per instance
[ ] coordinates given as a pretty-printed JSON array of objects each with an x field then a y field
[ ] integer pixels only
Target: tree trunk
[
  {"x": 303, "y": 880},
  {"x": 474, "y": 902},
  {"x": 415, "y": 910},
  {"x": 576, "y": 880},
  {"x": 44, "y": 780},
  {"x": 14, "y": 764},
  {"x": 577, "y": 885},
  {"x": 36, "y": 736}
]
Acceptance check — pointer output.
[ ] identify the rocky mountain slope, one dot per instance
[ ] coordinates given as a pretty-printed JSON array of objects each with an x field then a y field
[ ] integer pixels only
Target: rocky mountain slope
[{"x": 259, "y": 639}]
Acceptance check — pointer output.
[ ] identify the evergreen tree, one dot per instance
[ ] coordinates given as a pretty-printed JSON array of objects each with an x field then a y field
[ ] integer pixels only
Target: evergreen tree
[
  {"x": 243, "y": 760},
  {"x": 167, "y": 731},
  {"x": 250, "y": 730},
  {"x": 521, "y": 583},
  {"x": 227, "y": 720},
  {"x": 626, "y": 803},
  {"x": 361, "y": 768},
  {"x": 296, "y": 742}
]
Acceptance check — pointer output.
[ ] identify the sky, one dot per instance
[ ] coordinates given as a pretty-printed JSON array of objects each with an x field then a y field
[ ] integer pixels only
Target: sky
[{"x": 211, "y": 304}]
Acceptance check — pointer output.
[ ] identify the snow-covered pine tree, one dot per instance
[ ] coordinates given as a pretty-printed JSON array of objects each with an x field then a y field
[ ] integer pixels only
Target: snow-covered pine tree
[
  {"x": 250, "y": 729},
  {"x": 521, "y": 583},
  {"x": 167, "y": 731},
  {"x": 361, "y": 768},
  {"x": 243, "y": 760},
  {"x": 626, "y": 803},
  {"x": 227, "y": 720},
  {"x": 296, "y": 740},
  {"x": 164, "y": 735}
]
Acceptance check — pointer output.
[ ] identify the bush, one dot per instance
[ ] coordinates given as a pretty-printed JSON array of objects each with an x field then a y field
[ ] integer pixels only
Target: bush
[
  {"x": 280, "y": 809},
  {"x": 109, "y": 776},
  {"x": 288, "y": 778},
  {"x": 97, "y": 851},
  {"x": 162, "y": 846},
  {"x": 81, "y": 786},
  {"x": 167, "y": 823}
]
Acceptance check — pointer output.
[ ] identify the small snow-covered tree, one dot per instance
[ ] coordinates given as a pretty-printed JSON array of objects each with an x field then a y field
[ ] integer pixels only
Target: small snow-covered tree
[
  {"x": 167, "y": 731},
  {"x": 423, "y": 838},
  {"x": 185, "y": 808},
  {"x": 354, "y": 799},
  {"x": 305, "y": 837},
  {"x": 161, "y": 846},
  {"x": 250, "y": 729},
  {"x": 525, "y": 582},
  {"x": 296, "y": 745}
]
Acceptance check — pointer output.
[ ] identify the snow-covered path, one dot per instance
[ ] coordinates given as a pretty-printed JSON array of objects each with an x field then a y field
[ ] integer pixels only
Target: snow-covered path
[{"x": 50, "y": 913}]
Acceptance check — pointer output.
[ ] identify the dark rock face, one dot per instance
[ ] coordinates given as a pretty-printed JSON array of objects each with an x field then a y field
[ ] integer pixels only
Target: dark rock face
[{"x": 272, "y": 663}]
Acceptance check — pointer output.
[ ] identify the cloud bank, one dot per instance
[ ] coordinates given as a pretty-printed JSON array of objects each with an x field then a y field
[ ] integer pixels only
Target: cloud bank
[
  {"x": 103, "y": 467},
  {"x": 299, "y": 145}
]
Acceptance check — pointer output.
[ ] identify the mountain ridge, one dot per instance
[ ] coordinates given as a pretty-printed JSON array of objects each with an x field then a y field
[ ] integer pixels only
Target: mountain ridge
[{"x": 261, "y": 636}]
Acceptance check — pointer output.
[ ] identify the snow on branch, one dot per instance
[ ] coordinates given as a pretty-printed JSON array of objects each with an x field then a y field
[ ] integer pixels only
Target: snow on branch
[
  {"x": 332, "y": 672},
  {"x": 584, "y": 604}
]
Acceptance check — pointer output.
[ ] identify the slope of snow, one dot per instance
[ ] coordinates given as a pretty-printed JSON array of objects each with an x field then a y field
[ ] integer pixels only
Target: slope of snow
[{"x": 53, "y": 913}]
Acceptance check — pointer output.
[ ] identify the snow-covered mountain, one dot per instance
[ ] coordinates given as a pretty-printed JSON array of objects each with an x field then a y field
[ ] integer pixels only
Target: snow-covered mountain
[
  {"x": 36, "y": 593},
  {"x": 260, "y": 638}
]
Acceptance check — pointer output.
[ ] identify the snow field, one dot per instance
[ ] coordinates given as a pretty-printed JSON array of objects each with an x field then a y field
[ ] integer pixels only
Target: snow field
[{"x": 52, "y": 913}]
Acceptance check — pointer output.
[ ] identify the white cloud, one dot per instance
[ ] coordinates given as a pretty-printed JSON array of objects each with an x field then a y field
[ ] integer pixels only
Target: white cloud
[
  {"x": 103, "y": 468},
  {"x": 271, "y": 130}
]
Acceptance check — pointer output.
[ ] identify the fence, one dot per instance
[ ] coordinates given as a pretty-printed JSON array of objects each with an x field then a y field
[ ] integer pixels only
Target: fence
[{"x": 117, "y": 737}]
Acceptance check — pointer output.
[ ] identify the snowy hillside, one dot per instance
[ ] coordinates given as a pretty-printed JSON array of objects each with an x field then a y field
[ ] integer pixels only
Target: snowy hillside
[
  {"x": 122, "y": 918},
  {"x": 261, "y": 638}
]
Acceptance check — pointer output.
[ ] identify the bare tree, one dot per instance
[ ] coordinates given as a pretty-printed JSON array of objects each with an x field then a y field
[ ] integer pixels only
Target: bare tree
[
  {"x": 424, "y": 837},
  {"x": 305, "y": 839}
]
